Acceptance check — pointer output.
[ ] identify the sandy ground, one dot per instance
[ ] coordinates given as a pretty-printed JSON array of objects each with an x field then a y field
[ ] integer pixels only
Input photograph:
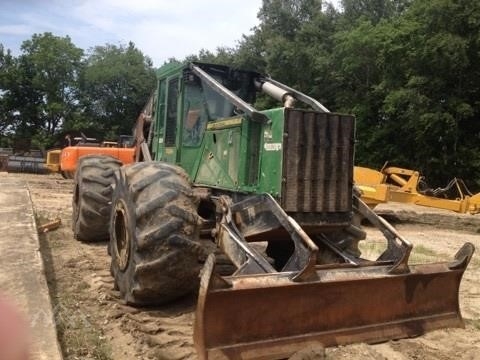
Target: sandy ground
[{"x": 93, "y": 322}]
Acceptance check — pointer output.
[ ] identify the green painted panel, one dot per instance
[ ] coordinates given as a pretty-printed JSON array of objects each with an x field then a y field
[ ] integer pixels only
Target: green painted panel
[
  {"x": 159, "y": 116},
  {"x": 231, "y": 153},
  {"x": 244, "y": 157},
  {"x": 190, "y": 159},
  {"x": 271, "y": 154},
  {"x": 219, "y": 160}
]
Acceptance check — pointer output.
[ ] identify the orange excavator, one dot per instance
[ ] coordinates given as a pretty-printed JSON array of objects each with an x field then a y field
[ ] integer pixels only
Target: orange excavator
[
  {"x": 394, "y": 184},
  {"x": 65, "y": 161}
]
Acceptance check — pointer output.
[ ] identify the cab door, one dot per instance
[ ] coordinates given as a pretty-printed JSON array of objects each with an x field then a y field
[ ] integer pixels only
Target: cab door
[{"x": 166, "y": 131}]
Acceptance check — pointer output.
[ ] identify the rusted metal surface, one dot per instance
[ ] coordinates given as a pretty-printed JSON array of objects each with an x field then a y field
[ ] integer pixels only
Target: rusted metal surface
[
  {"x": 262, "y": 214},
  {"x": 270, "y": 317},
  {"x": 318, "y": 167},
  {"x": 263, "y": 311}
]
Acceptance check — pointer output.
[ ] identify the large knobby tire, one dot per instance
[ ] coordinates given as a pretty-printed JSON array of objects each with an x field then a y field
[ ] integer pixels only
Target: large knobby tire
[
  {"x": 92, "y": 195},
  {"x": 154, "y": 234}
]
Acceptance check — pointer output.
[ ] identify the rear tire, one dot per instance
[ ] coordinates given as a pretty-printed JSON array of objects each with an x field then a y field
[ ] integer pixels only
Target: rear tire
[
  {"x": 154, "y": 234},
  {"x": 92, "y": 197}
]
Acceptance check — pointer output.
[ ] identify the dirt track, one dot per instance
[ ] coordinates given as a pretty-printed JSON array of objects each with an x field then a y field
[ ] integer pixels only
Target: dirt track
[{"x": 94, "y": 324}]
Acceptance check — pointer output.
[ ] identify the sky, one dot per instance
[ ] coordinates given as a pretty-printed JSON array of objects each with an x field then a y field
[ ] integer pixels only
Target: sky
[{"x": 161, "y": 29}]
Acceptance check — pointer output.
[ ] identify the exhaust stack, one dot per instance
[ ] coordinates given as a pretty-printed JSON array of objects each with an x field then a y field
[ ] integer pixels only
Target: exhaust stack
[{"x": 276, "y": 92}]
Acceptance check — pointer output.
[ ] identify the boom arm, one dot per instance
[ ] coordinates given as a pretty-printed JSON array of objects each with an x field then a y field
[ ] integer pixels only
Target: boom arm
[{"x": 404, "y": 186}]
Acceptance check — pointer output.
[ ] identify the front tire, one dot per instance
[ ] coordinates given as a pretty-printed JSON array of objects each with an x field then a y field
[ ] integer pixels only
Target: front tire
[{"x": 154, "y": 234}]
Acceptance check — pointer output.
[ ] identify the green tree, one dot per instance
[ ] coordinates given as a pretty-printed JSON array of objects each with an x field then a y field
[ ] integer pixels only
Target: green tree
[
  {"x": 52, "y": 65},
  {"x": 358, "y": 75},
  {"x": 116, "y": 84},
  {"x": 412, "y": 80},
  {"x": 250, "y": 52},
  {"x": 440, "y": 80},
  {"x": 293, "y": 43},
  {"x": 223, "y": 55},
  {"x": 372, "y": 10},
  {"x": 285, "y": 18},
  {"x": 39, "y": 88},
  {"x": 17, "y": 101},
  {"x": 7, "y": 68}
]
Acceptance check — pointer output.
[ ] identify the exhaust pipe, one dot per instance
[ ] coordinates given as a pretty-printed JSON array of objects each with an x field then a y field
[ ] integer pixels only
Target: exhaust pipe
[{"x": 276, "y": 92}]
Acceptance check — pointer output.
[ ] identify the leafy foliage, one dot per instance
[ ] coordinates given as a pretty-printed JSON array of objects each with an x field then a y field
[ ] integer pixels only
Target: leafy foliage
[
  {"x": 53, "y": 88},
  {"x": 7, "y": 78},
  {"x": 39, "y": 89},
  {"x": 408, "y": 69},
  {"x": 115, "y": 85}
]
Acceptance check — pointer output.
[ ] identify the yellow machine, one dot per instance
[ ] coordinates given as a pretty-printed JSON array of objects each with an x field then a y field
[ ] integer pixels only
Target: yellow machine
[
  {"x": 393, "y": 184},
  {"x": 53, "y": 160}
]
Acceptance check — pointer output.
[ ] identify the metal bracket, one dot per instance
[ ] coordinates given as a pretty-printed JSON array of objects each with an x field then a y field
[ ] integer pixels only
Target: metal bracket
[
  {"x": 300, "y": 96},
  {"x": 253, "y": 113},
  {"x": 246, "y": 258},
  {"x": 398, "y": 249}
]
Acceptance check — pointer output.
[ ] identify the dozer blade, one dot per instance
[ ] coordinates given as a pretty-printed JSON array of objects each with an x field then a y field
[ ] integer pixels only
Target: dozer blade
[{"x": 269, "y": 316}]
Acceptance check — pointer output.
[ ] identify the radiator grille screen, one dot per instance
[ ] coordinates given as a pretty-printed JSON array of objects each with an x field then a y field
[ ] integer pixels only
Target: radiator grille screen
[{"x": 318, "y": 162}]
